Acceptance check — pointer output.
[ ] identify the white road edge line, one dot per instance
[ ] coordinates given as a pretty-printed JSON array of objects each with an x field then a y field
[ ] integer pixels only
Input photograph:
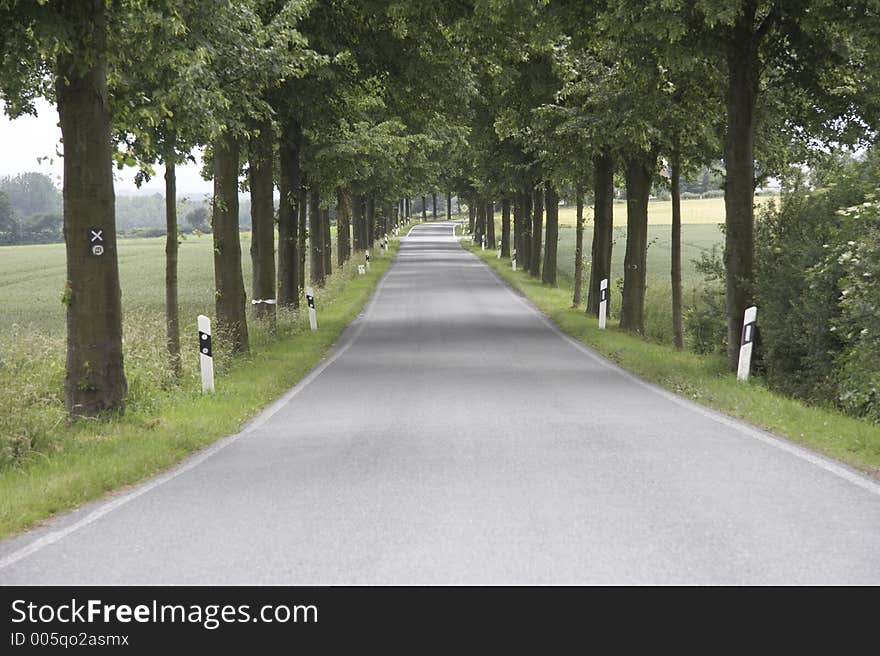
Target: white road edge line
[
  {"x": 823, "y": 462},
  {"x": 197, "y": 459}
]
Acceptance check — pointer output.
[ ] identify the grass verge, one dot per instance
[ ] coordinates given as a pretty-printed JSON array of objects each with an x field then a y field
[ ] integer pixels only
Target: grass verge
[
  {"x": 91, "y": 458},
  {"x": 704, "y": 379}
]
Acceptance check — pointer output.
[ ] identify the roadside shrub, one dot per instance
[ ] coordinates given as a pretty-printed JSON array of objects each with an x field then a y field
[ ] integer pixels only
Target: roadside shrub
[
  {"x": 817, "y": 257},
  {"x": 705, "y": 327}
]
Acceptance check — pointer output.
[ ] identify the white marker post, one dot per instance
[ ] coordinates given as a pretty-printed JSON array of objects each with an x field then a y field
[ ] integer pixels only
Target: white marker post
[
  {"x": 206, "y": 355},
  {"x": 362, "y": 270},
  {"x": 748, "y": 338},
  {"x": 367, "y": 265},
  {"x": 313, "y": 317},
  {"x": 603, "y": 302},
  {"x": 483, "y": 242},
  {"x": 499, "y": 249},
  {"x": 513, "y": 260}
]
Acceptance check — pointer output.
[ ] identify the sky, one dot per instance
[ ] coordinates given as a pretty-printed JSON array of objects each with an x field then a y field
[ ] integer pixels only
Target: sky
[{"x": 25, "y": 139}]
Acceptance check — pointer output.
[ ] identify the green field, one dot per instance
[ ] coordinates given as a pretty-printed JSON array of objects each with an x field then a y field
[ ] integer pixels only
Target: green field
[{"x": 32, "y": 278}]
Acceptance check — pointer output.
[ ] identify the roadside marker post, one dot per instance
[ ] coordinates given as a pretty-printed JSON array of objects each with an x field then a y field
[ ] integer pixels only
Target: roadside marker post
[
  {"x": 483, "y": 242},
  {"x": 367, "y": 264},
  {"x": 603, "y": 302},
  {"x": 362, "y": 270},
  {"x": 206, "y": 354},
  {"x": 748, "y": 339},
  {"x": 499, "y": 249},
  {"x": 313, "y": 317},
  {"x": 513, "y": 260}
]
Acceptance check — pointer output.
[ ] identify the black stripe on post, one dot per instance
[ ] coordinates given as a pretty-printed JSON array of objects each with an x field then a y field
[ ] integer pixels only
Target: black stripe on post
[
  {"x": 205, "y": 344},
  {"x": 748, "y": 334},
  {"x": 311, "y": 301},
  {"x": 603, "y": 294}
]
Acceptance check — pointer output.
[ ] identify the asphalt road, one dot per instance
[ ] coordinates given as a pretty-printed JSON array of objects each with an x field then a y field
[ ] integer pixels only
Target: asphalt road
[{"x": 454, "y": 436}]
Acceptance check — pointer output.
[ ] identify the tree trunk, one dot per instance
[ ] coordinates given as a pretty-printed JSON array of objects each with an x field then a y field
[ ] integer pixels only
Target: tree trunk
[
  {"x": 505, "y": 227},
  {"x": 303, "y": 212},
  {"x": 638, "y": 189},
  {"x": 343, "y": 222},
  {"x": 370, "y": 223},
  {"x": 327, "y": 246},
  {"x": 230, "y": 296},
  {"x": 262, "y": 223},
  {"x": 95, "y": 379},
  {"x": 578, "y": 247},
  {"x": 408, "y": 208},
  {"x": 449, "y": 206},
  {"x": 739, "y": 185},
  {"x": 434, "y": 205},
  {"x": 316, "y": 250},
  {"x": 172, "y": 312},
  {"x": 537, "y": 227},
  {"x": 481, "y": 220},
  {"x": 424, "y": 208},
  {"x": 677, "y": 330},
  {"x": 490, "y": 225},
  {"x": 472, "y": 217},
  {"x": 603, "y": 231},
  {"x": 288, "y": 220},
  {"x": 357, "y": 219},
  {"x": 524, "y": 250},
  {"x": 551, "y": 239}
]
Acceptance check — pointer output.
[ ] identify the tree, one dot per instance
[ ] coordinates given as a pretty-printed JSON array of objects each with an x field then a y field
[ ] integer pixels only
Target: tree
[
  {"x": 67, "y": 44},
  {"x": 9, "y": 230}
]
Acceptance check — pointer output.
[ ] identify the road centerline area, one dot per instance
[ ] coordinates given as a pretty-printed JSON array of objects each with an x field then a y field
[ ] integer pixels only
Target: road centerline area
[{"x": 453, "y": 438}]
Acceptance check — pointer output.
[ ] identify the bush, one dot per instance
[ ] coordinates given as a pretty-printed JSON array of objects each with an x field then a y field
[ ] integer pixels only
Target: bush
[
  {"x": 815, "y": 287},
  {"x": 705, "y": 324}
]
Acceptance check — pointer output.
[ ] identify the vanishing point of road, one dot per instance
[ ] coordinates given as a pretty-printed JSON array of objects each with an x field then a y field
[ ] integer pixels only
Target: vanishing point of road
[{"x": 453, "y": 435}]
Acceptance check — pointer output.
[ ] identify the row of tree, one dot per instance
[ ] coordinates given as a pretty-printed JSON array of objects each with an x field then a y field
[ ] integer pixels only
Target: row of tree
[{"x": 361, "y": 104}]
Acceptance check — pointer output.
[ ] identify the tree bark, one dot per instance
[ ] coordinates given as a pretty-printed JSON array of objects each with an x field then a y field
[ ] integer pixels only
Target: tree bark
[
  {"x": 434, "y": 205},
  {"x": 303, "y": 212},
  {"x": 95, "y": 379},
  {"x": 638, "y": 189},
  {"x": 316, "y": 233},
  {"x": 505, "y": 227},
  {"x": 472, "y": 216},
  {"x": 481, "y": 220},
  {"x": 370, "y": 222},
  {"x": 230, "y": 295},
  {"x": 603, "y": 231},
  {"x": 537, "y": 227},
  {"x": 288, "y": 220},
  {"x": 262, "y": 185},
  {"x": 578, "y": 247},
  {"x": 490, "y": 225},
  {"x": 424, "y": 208},
  {"x": 675, "y": 185},
  {"x": 357, "y": 219},
  {"x": 739, "y": 186},
  {"x": 327, "y": 246},
  {"x": 172, "y": 310},
  {"x": 524, "y": 250},
  {"x": 449, "y": 206},
  {"x": 551, "y": 239},
  {"x": 343, "y": 223}
]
